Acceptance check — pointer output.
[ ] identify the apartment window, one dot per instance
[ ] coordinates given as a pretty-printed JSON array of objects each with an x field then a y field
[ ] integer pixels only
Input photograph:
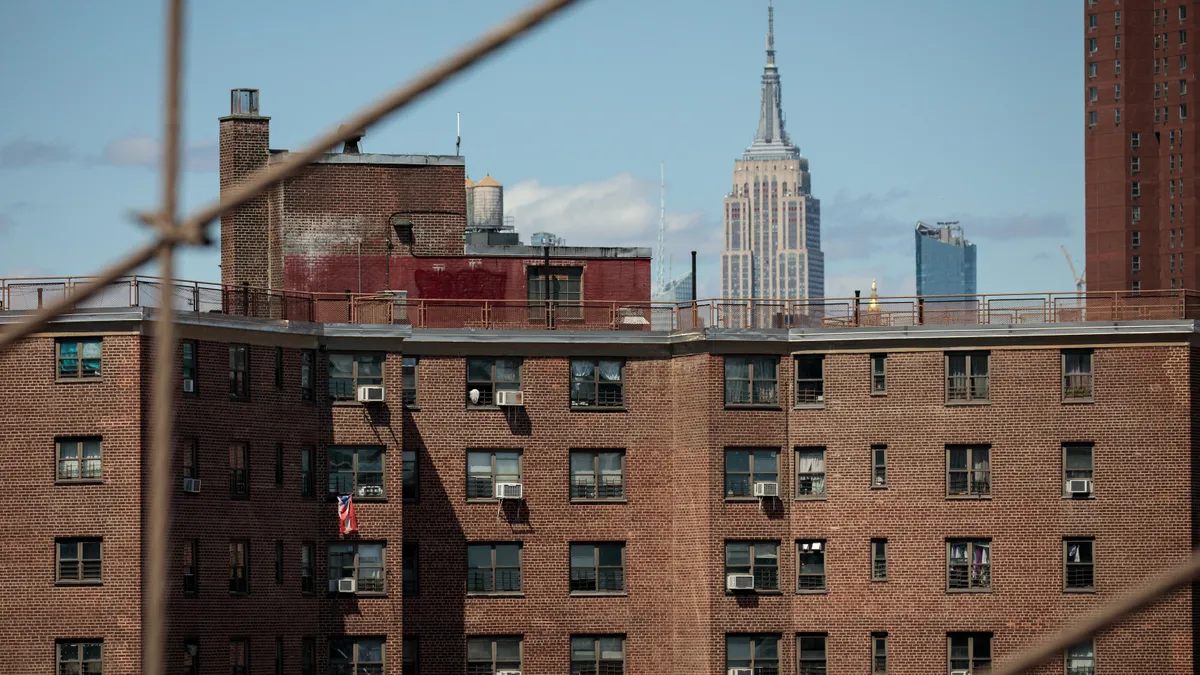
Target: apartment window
[
  {"x": 1158, "y": 40},
  {"x": 239, "y": 371},
  {"x": 597, "y": 655},
  {"x": 191, "y": 657},
  {"x": 279, "y": 367},
  {"x": 810, "y": 565},
  {"x": 487, "y": 376},
  {"x": 1136, "y": 263},
  {"x": 1092, "y": 46},
  {"x": 1117, "y": 67},
  {"x": 1136, "y": 286},
  {"x": 307, "y": 359},
  {"x": 1093, "y": 94},
  {"x": 1117, "y": 92},
  {"x": 356, "y": 471},
  {"x": 78, "y": 459},
  {"x": 757, "y": 558},
  {"x": 408, "y": 381},
  {"x": 751, "y": 380},
  {"x": 1171, "y": 183},
  {"x": 239, "y": 567},
  {"x": 1182, "y": 13},
  {"x": 410, "y": 656},
  {"x": 1158, "y": 65},
  {"x": 1091, "y": 22},
  {"x": 597, "y": 383},
  {"x": 356, "y": 655},
  {"x": 1171, "y": 163},
  {"x": 1135, "y": 165},
  {"x": 308, "y": 656},
  {"x": 1079, "y": 565},
  {"x": 1081, "y": 658},
  {"x": 1135, "y": 189},
  {"x": 1117, "y": 18},
  {"x": 564, "y": 290},
  {"x": 967, "y": 377},
  {"x": 968, "y": 564},
  {"x": 1117, "y": 42},
  {"x": 597, "y": 474},
  {"x": 191, "y": 572},
  {"x": 485, "y": 468},
  {"x": 1092, "y": 118},
  {"x": 189, "y": 349},
  {"x": 410, "y": 478},
  {"x": 1077, "y": 375},
  {"x": 1136, "y": 238},
  {"x": 1077, "y": 464},
  {"x": 278, "y": 656},
  {"x": 1172, "y": 214},
  {"x": 810, "y": 653},
  {"x": 239, "y": 656},
  {"x": 1182, "y": 111},
  {"x": 745, "y": 467},
  {"x": 970, "y": 652},
  {"x": 878, "y": 466},
  {"x": 879, "y": 559},
  {"x": 1135, "y": 140},
  {"x": 491, "y": 654},
  {"x": 410, "y": 569},
  {"x": 80, "y": 657},
  {"x": 810, "y": 473},
  {"x": 348, "y": 372},
  {"x": 1158, "y": 115},
  {"x": 759, "y": 653},
  {"x": 278, "y": 562},
  {"x": 1182, "y": 62},
  {"x": 1091, "y": 70},
  {"x": 968, "y": 471},
  {"x": 1182, "y": 38},
  {"x": 810, "y": 380},
  {"x": 78, "y": 358},
  {"x": 598, "y": 567},
  {"x": 239, "y": 470},
  {"x": 361, "y": 561},
  {"x": 79, "y": 561},
  {"x": 279, "y": 465},
  {"x": 878, "y": 653},
  {"x": 1136, "y": 214},
  {"x": 306, "y": 568},
  {"x": 307, "y": 485},
  {"x": 879, "y": 373},
  {"x": 494, "y": 568},
  {"x": 1117, "y": 116},
  {"x": 1183, "y": 87}
]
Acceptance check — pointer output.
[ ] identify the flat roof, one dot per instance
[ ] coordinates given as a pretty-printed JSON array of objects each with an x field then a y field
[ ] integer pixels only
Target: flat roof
[{"x": 379, "y": 159}]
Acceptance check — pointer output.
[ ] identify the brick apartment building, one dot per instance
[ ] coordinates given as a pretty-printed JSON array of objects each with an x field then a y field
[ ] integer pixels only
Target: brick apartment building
[
  {"x": 367, "y": 222},
  {"x": 1140, "y": 143},
  {"x": 946, "y": 495}
]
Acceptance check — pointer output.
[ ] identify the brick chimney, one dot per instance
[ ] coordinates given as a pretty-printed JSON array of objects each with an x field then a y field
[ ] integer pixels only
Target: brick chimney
[{"x": 244, "y": 137}]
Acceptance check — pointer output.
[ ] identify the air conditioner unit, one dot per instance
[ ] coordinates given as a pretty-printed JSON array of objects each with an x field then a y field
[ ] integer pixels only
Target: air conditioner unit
[
  {"x": 508, "y": 672},
  {"x": 739, "y": 671},
  {"x": 189, "y": 386},
  {"x": 960, "y": 672},
  {"x": 513, "y": 397},
  {"x": 369, "y": 393},
  {"x": 510, "y": 491},
  {"x": 739, "y": 582},
  {"x": 766, "y": 489},
  {"x": 1079, "y": 486},
  {"x": 370, "y": 491},
  {"x": 347, "y": 585},
  {"x": 191, "y": 485}
]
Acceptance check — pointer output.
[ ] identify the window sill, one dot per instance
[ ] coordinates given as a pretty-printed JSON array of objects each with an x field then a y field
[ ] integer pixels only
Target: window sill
[
  {"x": 1078, "y": 401},
  {"x": 813, "y": 498},
  {"x": 600, "y": 501},
  {"x": 752, "y": 406},
  {"x": 80, "y": 481},
  {"x": 1075, "y": 498},
  {"x": 599, "y": 408},
  {"x": 814, "y": 591},
  {"x": 357, "y": 596},
  {"x": 498, "y": 594},
  {"x": 414, "y": 408},
  {"x": 742, "y": 500},
  {"x": 599, "y": 594},
  {"x": 879, "y": 581},
  {"x": 78, "y": 583},
  {"x": 77, "y": 380},
  {"x": 969, "y": 403},
  {"x": 879, "y": 487},
  {"x": 809, "y": 406},
  {"x": 1080, "y": 591},
  {"x": 879, "y": 394},
  {"x": 483, "y": 500},
  {"x": 977, "y": 498},
  {"x": 956, "y": 591},
  {"x": 345, "y": 403}
]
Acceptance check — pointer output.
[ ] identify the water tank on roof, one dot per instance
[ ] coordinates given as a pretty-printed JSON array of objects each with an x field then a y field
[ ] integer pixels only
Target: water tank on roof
[{"x": 487, "y": 204}]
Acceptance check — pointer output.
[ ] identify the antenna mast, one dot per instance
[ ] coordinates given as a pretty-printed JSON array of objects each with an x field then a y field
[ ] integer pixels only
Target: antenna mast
[
  {"x": 458, "y": 139},
  {"x": 662, "y": 224}
]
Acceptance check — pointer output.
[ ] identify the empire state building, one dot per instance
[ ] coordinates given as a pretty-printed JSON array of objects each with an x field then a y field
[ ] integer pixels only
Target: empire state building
[{"x": 772, "y": 247}]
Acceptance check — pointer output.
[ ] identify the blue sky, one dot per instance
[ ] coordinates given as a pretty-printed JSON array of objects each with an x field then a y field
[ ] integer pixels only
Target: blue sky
[{"x": 928, "y": 109}]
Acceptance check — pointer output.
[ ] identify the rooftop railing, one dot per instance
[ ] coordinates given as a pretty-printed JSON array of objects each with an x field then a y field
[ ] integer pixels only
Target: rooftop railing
[{"x": 397, "y": 309}]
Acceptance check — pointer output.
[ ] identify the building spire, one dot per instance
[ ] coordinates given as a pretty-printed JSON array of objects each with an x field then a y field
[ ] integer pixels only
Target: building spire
[{"x": 771, "y": 141}]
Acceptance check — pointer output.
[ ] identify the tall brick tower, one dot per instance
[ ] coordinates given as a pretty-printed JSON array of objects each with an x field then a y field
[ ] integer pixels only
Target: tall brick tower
[
  {"x": 244, "y": 232},
  {"x": 1140, "y": 144}
]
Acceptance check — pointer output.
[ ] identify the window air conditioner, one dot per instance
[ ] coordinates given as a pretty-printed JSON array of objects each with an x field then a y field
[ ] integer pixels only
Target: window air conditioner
[
  {"x": 511, "y": 397},
  {"x": 766, "y": 489},
  {"x": 347, "y": 585},
  {"x": 369, "y": 393},
  {"x": 191, "y": 485},
  {"x": 370, "y": 490},
  {"x": 739, "y": 582},
  {"x": 508, "y": 672},
  {"x": 960, "y": 672},
  {"x": 510, "y": 491},
  {"x": 189, "y": 386},
  {"x": 1079, "y": 486},
  {"x": 739, "y": 671}
]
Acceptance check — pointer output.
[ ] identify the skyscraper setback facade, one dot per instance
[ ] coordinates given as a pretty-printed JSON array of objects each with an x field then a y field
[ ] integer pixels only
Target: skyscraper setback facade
[
  {"x": 1140, "y": 144},
  {"x": 945, "y": 261},
  {"x": 772, "y": 244}
]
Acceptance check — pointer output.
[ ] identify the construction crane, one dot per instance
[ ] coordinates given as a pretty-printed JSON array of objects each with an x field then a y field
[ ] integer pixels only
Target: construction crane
[{"x": 1080, "y": 279}]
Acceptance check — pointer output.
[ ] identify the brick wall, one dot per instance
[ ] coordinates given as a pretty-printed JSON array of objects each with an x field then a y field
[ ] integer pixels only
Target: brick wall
[{"x": 244, "y": 239}]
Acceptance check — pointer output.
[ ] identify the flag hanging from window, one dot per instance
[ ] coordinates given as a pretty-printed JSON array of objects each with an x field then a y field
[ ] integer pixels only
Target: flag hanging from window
[{"x": 346, "y": 514}]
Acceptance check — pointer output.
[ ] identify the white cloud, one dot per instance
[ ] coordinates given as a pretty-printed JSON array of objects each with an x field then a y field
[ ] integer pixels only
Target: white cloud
[
  {"x": 619, "y": 211},
  {"x": 146, "y": 152}
]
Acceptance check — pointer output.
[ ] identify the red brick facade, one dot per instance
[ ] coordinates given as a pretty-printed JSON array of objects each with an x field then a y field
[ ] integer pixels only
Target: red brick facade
[{"x": 674, "y": 429}]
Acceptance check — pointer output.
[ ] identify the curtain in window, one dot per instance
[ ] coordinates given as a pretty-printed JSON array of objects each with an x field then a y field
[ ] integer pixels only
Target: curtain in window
[
  {"x": 507, "y": 370},
  {"x": 737, "y": 369},
  {"x": 810, "y": 462},
  {"x": 582, "y": 369},
  {"x": 610, "y": 370},
  {"x": 1073, "y": 553}
]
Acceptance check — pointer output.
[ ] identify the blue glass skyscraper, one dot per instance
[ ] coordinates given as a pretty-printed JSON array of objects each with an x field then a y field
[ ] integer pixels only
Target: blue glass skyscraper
[{"x": 945, "y": 261}]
